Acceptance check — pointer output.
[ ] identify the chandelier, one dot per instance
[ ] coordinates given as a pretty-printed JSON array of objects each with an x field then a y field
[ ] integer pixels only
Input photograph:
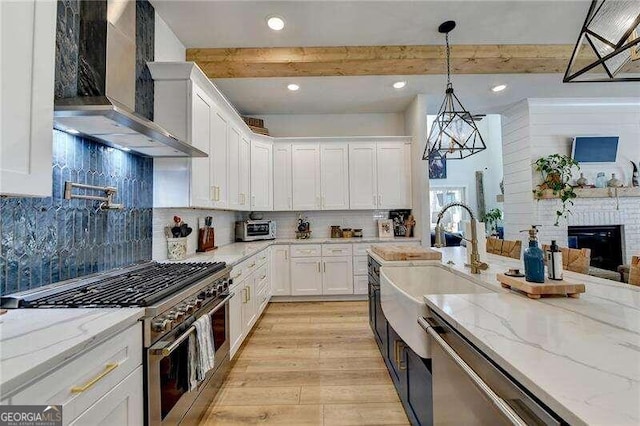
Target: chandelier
[
  {"x": 607, "y": 44},
  {"x": 454, "y": 133}
]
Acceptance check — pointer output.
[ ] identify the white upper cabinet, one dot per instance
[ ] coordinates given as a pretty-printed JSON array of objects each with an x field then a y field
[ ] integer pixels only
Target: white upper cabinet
[
  {"x": 261, "y": 175},
  {"x": 218, "y": 156},
  {"x": 201, "y": 109},
  {"x": 394, "y": 175},
  {"x": 28, "y": 64},
  {"x": 334, "y": 166},
  {"x": 306, "y": 176},
  {"x": 245, "y": 173},
  {"x": 363, "y": 176},
  {"x": 233, "y": 145},
  {"x": 282, "y": 180}
]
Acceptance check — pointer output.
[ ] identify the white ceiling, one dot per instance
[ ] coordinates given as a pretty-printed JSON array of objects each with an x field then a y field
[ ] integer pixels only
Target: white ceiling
[{"x": 326, "y": 23}]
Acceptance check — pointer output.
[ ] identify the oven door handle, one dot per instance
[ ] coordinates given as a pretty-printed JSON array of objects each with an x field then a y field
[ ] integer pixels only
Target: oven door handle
[{"x": 164, "y": 349}]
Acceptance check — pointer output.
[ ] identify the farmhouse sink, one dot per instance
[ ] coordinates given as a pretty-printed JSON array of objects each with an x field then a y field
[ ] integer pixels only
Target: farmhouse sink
[{"x": 402, "y": 290}]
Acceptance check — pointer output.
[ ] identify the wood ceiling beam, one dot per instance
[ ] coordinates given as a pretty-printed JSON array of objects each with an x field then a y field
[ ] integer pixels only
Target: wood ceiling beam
[{"x": 379, "y": 60}]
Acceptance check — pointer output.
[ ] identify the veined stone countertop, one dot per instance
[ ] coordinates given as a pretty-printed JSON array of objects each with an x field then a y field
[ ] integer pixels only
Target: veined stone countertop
[
  {"x": 235, "y": 253},
  {"x": 581, "y": 357},
  {"x": 35, "y": 341}
]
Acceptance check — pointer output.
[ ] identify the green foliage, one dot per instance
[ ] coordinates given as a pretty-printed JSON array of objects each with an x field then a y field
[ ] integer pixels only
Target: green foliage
[
  {"x": 491, "y": 218},
  {"x": 556, "y": 172}
]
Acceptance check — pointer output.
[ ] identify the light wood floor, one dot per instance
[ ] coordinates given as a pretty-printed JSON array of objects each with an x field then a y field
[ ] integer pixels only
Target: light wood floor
[{"x": 309, "y": 364}]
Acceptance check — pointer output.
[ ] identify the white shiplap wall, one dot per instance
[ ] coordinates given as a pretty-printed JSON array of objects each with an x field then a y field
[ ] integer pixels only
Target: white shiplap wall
[{"x": 516, "y": 161}]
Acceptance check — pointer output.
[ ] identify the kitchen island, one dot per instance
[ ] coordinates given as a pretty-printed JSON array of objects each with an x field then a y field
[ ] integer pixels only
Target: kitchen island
[{"x": 580, "y": 357}]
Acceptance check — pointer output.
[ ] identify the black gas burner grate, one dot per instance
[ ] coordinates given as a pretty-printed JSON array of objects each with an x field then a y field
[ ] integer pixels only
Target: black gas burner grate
[{"x": 139, "y": 287}]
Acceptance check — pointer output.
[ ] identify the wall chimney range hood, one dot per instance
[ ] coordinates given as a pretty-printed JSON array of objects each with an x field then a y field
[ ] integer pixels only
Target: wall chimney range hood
[{"x": 103, "y": 109}]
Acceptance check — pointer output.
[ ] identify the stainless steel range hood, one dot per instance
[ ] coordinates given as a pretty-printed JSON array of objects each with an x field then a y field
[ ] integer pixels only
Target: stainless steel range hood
[{"x": 104, "y": 108}]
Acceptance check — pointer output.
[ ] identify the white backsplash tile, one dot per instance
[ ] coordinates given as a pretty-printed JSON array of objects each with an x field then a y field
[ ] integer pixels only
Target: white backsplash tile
[{"x": 223, "y": 223}]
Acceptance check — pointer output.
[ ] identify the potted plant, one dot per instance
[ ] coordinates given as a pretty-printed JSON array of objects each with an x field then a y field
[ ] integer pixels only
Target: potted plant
[
  {"x": 491, "y": 218},
  {"x": 556, "y": 170}
]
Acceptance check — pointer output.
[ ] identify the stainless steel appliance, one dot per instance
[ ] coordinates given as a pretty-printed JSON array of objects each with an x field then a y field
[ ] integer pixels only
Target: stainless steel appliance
[
  {"x": 255, "y": 230},
  {"x": 469, "y": 389},
  {"x": 174, "y": 296}
]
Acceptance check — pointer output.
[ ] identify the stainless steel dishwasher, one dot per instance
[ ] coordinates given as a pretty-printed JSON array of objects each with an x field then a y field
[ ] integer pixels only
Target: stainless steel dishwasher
[{"x": 470, "y": 389}]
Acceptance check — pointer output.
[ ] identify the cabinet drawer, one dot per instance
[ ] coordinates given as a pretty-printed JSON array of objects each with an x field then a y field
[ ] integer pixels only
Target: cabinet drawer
[
  {"x": 306, "y": 250},
  {"x": 336, "y": 250},
  {"x": 360, "y": 265},
  {"x": 360, "y": 249},
  {"x": 262, "y": 257},
  {"x": 80, "y": 383}
]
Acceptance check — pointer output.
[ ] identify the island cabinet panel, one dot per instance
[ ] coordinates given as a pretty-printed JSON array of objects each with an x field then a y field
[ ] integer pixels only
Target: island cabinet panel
[
  {"x": 28, "y": 63},
  {"x": 419, "y": 396}
]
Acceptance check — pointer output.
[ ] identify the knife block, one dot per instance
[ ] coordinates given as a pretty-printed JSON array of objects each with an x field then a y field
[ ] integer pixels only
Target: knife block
[{"x": 206, "y": 239}]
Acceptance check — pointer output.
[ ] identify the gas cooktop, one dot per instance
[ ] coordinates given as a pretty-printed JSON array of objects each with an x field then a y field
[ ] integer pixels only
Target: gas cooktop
[{"x": 136, "y": 286}]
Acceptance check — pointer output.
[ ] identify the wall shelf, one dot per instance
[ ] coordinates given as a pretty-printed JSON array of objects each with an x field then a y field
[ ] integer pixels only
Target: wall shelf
[{"x": 596, "y": 193}]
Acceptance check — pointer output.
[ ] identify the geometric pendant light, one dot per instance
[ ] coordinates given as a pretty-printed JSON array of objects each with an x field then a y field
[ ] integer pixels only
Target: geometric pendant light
[
  {"x": 454, "y": 133},
  {"x": 608, "y": 43}
]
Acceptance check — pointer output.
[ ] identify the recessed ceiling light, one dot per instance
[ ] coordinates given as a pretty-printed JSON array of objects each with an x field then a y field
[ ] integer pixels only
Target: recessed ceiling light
[
  {"x": 399, "y": 84},
  {"x": 293, "y": 87},
  {"x": 276, "y": 23},
  {"x": 72, "y": 131},
  {"x": 499, "y": 88},
  {"x": 124, "y": 148}
]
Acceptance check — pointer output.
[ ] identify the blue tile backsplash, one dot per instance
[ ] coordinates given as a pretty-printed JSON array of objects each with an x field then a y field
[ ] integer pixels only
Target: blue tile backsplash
[{"x": 45, "y": 240}]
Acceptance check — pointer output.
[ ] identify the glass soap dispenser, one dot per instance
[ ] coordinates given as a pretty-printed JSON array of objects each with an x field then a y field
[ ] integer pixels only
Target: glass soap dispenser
[{"x": 533, "y": 258}]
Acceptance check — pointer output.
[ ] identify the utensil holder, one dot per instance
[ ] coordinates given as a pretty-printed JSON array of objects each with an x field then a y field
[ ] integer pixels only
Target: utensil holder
[{"x": 177, "y": 248}]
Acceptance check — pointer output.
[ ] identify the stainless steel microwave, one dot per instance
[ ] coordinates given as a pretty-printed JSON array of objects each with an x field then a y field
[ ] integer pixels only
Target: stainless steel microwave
[{"x": 254, "y": 230}]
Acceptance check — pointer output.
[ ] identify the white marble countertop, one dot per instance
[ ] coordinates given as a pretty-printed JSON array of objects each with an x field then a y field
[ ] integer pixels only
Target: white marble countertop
[
  {"x": 34, "y": 341},
  {"x": 581, "y": 357},
  {"x": 235, "y": 253}
]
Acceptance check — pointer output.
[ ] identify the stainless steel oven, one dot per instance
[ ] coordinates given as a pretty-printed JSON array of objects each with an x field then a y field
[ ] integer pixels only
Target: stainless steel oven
[
  {"x": 170, "y": 401},
  {"x": 254, "y": 230}
]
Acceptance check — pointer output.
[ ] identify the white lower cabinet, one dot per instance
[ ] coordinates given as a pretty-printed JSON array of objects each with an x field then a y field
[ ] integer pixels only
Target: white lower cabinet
[
  {"x": 360, "y": 284},
  {"x": 306, "y": 276},
  {"x": 121, "y": 406},
  {"x": 248, "y": 303},
  {"x": 280, "y": 271},
  {"x": 235, "y": 318},
  {"x": 337, "y": 275}
]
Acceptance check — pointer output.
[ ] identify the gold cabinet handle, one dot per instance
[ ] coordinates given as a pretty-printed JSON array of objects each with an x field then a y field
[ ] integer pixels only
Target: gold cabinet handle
[
  {"x": 244, "y": 295},
  {"x": 249, "y": 294},
  {"x": 252, "y": 265},
  {"x": 319, "y": 267},
  {"x": 107, "y": 369},
  {"x": 324, "y": 266}
]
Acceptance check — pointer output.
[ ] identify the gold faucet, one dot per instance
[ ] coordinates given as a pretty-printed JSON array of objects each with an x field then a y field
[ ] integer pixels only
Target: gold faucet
[{"x": 476, "y": 265}]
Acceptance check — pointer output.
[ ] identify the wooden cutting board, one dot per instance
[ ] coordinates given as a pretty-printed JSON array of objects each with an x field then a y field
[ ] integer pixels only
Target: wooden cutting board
[
  {"x": 399, "y": 253},
  {"x": 537, "y": 290}
]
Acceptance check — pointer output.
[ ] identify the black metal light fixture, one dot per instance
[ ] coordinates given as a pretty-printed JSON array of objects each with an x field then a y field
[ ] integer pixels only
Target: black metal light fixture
[
  {"x": 609, "y": 40},
  {"x": 454, "y": 133}
]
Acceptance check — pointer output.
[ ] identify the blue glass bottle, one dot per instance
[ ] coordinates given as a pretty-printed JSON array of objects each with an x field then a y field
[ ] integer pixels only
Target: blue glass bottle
[{"x": 533, "y": 258}]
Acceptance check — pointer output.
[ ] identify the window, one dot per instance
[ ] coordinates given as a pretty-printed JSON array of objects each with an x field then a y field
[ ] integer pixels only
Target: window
[{"x": 453, "y": 218}]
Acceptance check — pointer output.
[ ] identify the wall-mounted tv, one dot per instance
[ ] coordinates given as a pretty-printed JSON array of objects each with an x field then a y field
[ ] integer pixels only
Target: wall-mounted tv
[{"x": 595, "y": 149}]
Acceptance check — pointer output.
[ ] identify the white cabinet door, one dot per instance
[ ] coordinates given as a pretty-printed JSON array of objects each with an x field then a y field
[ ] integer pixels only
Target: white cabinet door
[
  {"x": 28, "y": 47},
  {"x": 394, "y": 175},
  {"x": 363, "y": 176},
  {"x": 261, "y": 176},
  {"x": 282, "y": 180},
  {"x": 360, "y": 284},
  {"x": 233, "y": 183},
  {"x": 123, "y": 405},
  {"x": 306, "y": 276},
  {"x": 235, "y": 318},
  {"x": 305, "y": 159},
  {"x": 334, "y": 181},
  {"x": 337, "y": 275},
  {"x": 218, "y": 155},
  {"x": 280, "y": 273},
  {"x": 201, "y": 110},
  {"x": 245, "y": 173},
  {"x": 249, "y": 304}
]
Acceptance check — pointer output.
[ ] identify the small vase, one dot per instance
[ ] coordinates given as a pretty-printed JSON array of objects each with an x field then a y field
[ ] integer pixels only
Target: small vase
[
  {"x": 614, "y": 182},
  {"x": 582, "y": 181}
]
